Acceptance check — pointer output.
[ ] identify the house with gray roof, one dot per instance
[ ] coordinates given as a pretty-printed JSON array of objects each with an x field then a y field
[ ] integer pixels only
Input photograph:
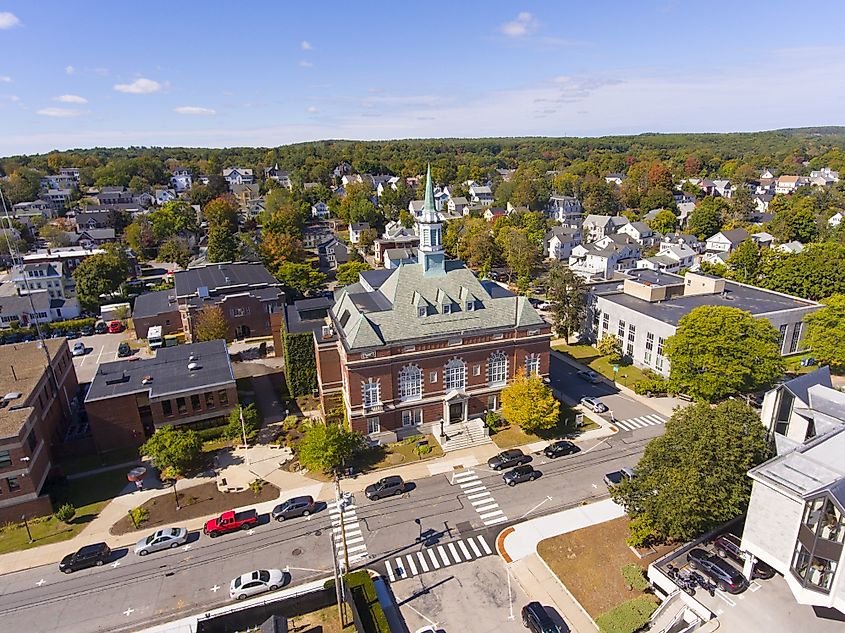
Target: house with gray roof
[
  {"x": 596, "y": 227},
  {"x": 559, "y": 242},
  {"x": 156, "y": 308},
  {"x": 565, "y": 209},
  {"x": 726, "y": 241}
]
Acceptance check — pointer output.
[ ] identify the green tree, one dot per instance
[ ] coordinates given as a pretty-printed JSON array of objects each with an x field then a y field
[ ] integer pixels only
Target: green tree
[
  {"x": 529, "y": 403},
  {"x": 707, "y": 218},
  {"x": 251, "y": 423},
  {"x": 664, "y": 222},
  {"x": 100, "y": 274},
  {"x": 520, "y": 253},
  {"x": 211, "y": 324},
  {"x": 65, "y": 513},
  {"x": 347, "y": 274},
  {"x": 173, "y": 448},
  {"x": 744, "y": 263},
  {"x": 567, "y": 294},
  {"x": 222, "y": 216},
  {"x": 719, "y": 351},
  {"x": 284, "y": 214},
  {"x": 300, "y": 277},
  {"x": 173, "y": 218},
  {"x": 826, "y": 332},
  {"x": 277, "y": 248},
  {"x": 795, "y": 220},
  {"x": 22, "y": 186},
  {"x": 176, "y": 249},
  {"x": 814, "y": 273},
  {"x": 55, "y": 234},
  {"x": 611, "y": 347},
  {"x": 328, "y": 447},
  {"x": 140, "y": 238},
  {"x": 694, "y": 478}
]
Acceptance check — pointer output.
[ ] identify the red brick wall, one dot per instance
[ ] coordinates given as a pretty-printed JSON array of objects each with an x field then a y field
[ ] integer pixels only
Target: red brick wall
[
  {"x": 40, "y": 506},
  {"x": 145, "y": 323},
  {"x": 115, "y": 423}
]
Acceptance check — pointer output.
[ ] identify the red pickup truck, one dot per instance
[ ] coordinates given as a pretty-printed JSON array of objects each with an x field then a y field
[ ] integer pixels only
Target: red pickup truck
[{"x": 230, "y": 521}]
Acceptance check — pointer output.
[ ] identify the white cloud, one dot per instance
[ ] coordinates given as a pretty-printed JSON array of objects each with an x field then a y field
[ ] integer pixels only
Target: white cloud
[
  {"x": 305, "y": 64},
  {"x": 60, "y": 113},
  {"x": 5, "y": 79},
  {"x": 196, "y": 110},
  {"x": 8, "y": 20},
  {"x": 306, "y": 45},
  {"x": 140, "y": 86},
  {"x": 524, "y": 24},
  {"x": 70, "y": 99},
  {"x": 312, "y": 109},
  {"x": 69, "y": 70}
]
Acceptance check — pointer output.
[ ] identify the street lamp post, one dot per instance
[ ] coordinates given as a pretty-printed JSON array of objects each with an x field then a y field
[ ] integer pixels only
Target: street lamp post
[
  {"x": 176, "y": 495},
  {"x": 243, "y": 430},
  {"x": 26, "y": 525}
]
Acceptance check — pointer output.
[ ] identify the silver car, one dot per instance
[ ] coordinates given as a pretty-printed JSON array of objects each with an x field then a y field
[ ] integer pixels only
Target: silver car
[
  {"x": 255, "y": 582},
  {"x": 162, "y": 539},
  {"x": 594, "y": 404}
]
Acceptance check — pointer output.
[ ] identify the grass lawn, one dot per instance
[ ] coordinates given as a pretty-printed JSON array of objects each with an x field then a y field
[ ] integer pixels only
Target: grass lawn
[
  {"x": 628, "y": 375},
  {"x": 89, "y": 495},
  {"x": 512, "y": 435},
  {"x": 397, "y": 453},
  {"x": 588, "y": 562},
  {"x": 84, "y": 463}
]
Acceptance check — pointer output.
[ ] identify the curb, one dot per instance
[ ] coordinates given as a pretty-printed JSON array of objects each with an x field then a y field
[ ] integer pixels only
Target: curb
[{"x": 500, "y": 543}]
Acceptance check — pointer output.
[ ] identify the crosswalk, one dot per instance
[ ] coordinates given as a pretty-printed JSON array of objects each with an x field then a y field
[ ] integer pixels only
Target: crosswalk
[
  {"x": 480, "y": 498},
  {"x": 436, "y": 557},
  {"x": 641, "y": 422},
  {"x": 355, "y": 546}
]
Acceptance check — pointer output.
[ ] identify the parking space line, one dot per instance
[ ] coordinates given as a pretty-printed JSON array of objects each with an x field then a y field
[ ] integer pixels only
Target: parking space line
[
  {"x": 465, "y": 551},
  {"x": 454, "y": 552},
  {"x": 443, "y": 556},
  {"x": 727, "y": 600},
  {"x": 484, "y": 544},
  {"x": 433, "y": 558},
  {"x": 423, "y": 564}
]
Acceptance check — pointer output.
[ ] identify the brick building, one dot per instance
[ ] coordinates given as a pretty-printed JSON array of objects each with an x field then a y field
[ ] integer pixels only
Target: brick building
[
  {"x": 189, "y": 385},
  {"x": 427, "y": 342},
  {"x": 156, "y": 308},
  {"x": 246, "y": 293},
  {"x": 34, "y": 413}
]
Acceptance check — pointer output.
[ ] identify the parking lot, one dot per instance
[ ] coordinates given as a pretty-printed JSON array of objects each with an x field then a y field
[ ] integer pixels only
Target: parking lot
[{"x": 100, "y": 348}]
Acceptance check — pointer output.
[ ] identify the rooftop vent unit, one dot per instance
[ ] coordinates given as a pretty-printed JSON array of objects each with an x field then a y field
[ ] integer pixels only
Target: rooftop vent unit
[
  {"x": 146, "y": 380},
  {"x": 12, "y": 395},
  {"x": 193, "y": 366},
  {"x": 118, "y": 378}
]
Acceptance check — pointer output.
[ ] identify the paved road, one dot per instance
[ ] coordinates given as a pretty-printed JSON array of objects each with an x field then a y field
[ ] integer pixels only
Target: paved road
[{"x": 166, "y": 585}]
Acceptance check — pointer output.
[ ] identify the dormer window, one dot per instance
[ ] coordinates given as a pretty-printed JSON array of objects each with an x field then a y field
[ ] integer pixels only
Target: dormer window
[
  {"x": 447, "y": 308},
  {"x": 422, "y": 311},
  {"x": 470, "y": 306}
]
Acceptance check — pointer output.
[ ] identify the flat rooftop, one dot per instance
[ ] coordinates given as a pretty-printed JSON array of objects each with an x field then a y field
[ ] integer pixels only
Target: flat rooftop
[
  {"x": 223, "y": 275},
  {"x": 166, "y": 374},
  {"x": 152, "y": 304}
]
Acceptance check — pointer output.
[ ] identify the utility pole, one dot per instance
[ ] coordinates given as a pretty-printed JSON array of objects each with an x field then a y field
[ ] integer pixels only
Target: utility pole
[
  {"x": 341, "y": 505},
  {"x": 337, "y": 581},
  {"x": 243, "y": 430}
]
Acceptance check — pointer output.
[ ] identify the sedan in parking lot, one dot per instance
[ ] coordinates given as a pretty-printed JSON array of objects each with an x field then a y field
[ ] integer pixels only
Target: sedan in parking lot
[
  {"x": 506, "y": 459},
  {"x": 594, "y": 404},
  {"x": 590, "y": 376},
  {"x": 78, "y": 349},
  {"x": 726, "y": 576},
  {"x": 166, "y": 538},
  {"x": 560, "y": 448},
  {"x": 255, "y": 582},
  {"x": 519, "y": 474}
]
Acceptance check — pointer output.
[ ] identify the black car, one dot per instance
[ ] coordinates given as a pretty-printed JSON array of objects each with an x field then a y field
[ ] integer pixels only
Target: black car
[
  {"x": 385, "y": 487},
  {"x": 123, "y": 350},
  {"x": 87, "y": 330},
  {"x": 536, "y": 619},
  {"x": 559, "y": 449},
  {"x": 72, "y": 334},
  {"x": 520, "y": 474},
  {"x": 88, "y": 556},
  {"x": 727, "y": 577},
  {"x": 729, "y": 546},
  {"x": 506, "y": 459},
  {"x": 57, "y": 333},
  {"x": 292, "y": 508},
  {"x": 100, "y": 327}
]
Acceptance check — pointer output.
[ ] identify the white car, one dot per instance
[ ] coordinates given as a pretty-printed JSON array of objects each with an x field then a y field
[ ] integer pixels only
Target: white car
[
  {"x": 255, "y": 582},
  {"x": 161, "y": 539},
  {"x": 78, "y": 349},
  {"x": 594, "y": 404}
]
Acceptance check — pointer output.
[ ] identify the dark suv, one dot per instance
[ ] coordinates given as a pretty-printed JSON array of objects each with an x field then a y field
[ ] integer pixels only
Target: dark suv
[
  {"x": 506, "y": 459},
  {"x": 88, "y": 556},
  {"x": 537, "y": 620},
  {"x": 729, "y": 546},
  {"x": 727, "y": 577},
  {"x": 292, "y": 508},
  {"x": 519, "y": 474},
  {"x": 385, "y": 487}
]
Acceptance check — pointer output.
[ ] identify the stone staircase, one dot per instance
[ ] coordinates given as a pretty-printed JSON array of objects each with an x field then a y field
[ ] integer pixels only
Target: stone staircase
[{"x": 463, "y": 435}]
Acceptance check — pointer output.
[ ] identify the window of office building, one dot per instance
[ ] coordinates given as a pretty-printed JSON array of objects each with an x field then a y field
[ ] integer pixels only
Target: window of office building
[
  {"x": 782, "y": 336},
  {"x": 181, "y": 405},
  {"x": 532, "y": 364},
  {"x": 455, "y": 375},
  {"x": 209, "y": 399},
  {"x": 372, "y": 393},
  {"x": 410, "y": 383},
  {"x": 649, "y": 347},
  {"x": 195, "y": 402},
  {"x": 411, "y": 417},
  {"x": 620, "y": 331},
  {"x": 167, "y": 407},
  {"x": 497, "y": 369},
  {"x": 5, "y": 459},
  {"x": 605, "y": 323},
  {"x": 632, "y": 335},
  {"x": 223, "y": 397},
  {"x": 796, "y": 337},
  {"x": 659, "y": 360},
  {"x": 373, "y": 425},
  {"x": 13, "y": 483}
]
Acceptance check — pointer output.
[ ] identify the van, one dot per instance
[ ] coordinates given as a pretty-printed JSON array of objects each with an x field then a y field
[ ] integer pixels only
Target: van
[{"x": 154, "y": 339}]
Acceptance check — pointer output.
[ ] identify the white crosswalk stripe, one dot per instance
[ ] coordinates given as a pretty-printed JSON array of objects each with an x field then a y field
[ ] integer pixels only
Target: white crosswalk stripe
[
  {"x": 356, "y": 549},
  {"x": 640, "y": 422},
  {"x": 453, "y": 553},
  {"x": 479, "y": 497}
]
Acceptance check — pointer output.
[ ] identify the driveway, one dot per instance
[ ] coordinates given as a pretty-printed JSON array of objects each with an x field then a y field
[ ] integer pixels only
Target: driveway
[{"x": 100, "y": 348}]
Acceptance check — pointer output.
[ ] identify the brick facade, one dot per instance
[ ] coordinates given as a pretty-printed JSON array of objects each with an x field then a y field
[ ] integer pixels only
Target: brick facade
[
  {"x": 247, "y": 316},
  {"x": 170, "y": 322}
]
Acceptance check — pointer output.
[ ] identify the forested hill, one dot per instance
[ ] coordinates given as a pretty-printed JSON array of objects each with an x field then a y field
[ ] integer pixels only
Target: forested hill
[{"x": 726, "y": 155}]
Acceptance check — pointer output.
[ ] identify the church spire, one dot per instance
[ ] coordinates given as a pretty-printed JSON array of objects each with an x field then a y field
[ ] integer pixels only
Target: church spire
[
  {"x": 429, "y": 210},
  {"x": 430, "y": 230}
]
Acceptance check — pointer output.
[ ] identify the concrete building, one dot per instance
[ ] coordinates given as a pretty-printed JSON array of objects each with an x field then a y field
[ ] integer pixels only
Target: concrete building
[
  {"x": 643, "y": 309},
  {"x": 186, "y": 385},
  {"x": 34, "y": 414}
]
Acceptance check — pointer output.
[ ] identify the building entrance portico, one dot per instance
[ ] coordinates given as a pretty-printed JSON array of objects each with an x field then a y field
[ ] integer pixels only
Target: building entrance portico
[{"x": 455, "y": 407}]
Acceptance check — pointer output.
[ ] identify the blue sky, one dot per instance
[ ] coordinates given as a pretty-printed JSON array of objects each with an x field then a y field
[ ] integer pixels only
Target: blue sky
[{"x": 267, "y": 73}]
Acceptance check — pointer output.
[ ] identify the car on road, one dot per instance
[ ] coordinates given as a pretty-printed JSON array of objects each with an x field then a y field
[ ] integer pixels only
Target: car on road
[
  {"x": 292, "y": 508},
  {"x": 166, "y": 538},
  {"x": 116, "y": 327},
  {"x": 536, "y": 619},
  {"x": 593, "y": 404},
  {"x": 520, "y": 474},
  {"x": 729, "y": 546},
  {"x": 78, "y": 349},
  {"x": 255, "y": 582},
  {"x": 231, "y": 521},
  {"x": 88, "y": 556},
  {"x": 560, "y": 449},
  {"x": 123, "y": 350},
  {"x": 100, "y": 327},
  {"x": 590, "y": 376},
  {"x": 726, "y": 576},
  {"x": 618, "y": 476},
  {"x": 506, "y": 459},
  {"x": 385, "y": 487}
]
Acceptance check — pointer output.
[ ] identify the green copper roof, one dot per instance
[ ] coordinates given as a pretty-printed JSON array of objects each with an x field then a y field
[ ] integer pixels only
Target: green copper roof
[{"x": 428, "y": 204}]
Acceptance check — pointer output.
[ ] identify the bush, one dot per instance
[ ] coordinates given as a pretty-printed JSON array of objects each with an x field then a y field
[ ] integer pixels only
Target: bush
[
  {"x": 300, "y": 363},
  {"x": 213, "y": 433},
  {"x": 139, "y": 516},
  {"x": 627, "y": 617},
  {"x": 256, "y": 485},
  {"x": 65, "y": 513},
  {"x": 652, "y": 385},
  {"x": 72, "y": 324},
  {"x": 423, "y": 449},
  {"x": 251, "y": 423},
  {"x": 493, "y": 421},
  {"x": 635, "y": 577}
]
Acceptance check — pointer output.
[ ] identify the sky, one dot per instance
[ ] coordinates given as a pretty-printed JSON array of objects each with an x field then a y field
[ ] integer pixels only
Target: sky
[{"x": 214, "y": 74}]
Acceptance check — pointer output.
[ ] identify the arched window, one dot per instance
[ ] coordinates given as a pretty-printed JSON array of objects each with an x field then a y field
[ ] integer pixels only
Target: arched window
[
  {"x": 410, "y": 383},
  {"x": 455, "y": 375},
  {"x": 532, "y": 364},
  {"x": 497, "y": 368}
]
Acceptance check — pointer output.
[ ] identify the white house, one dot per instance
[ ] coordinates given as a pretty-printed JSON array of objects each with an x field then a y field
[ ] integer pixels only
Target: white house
[
  {"x": 415, "y": 207},
  {"x": 671, "y": 258},
  {"x": 596, "y": 227},
  {"x": 560, "y": 241},
  {"x": 724, "y": 188},
  {"x": 481, "y": 194},
  {"x": 457, "y": 205},
  {"x": 565, "y": 209},
  {"x": 726, "y": 241},
  {"x": 640, "y": 232},
  {"x": 763, "y": 239},
  {"x": 393, "y": 257},
  {"x": 602, "y": 258},
  {"x": 279, "y": 175},
  {"x": 615, "y": 178},
  {"x": 181, "y": 180},
  {"x": 355, "y": 230},
  {"x": 792, "y": 248},
  {"x": 238, "y": 176},
  {"x": 788, "y": 184},
  {"x": 163, "y": 196},
  {"x": 320, "y": 211}
]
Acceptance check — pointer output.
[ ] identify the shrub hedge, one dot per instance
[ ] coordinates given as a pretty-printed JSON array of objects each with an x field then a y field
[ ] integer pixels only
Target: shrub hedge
[
  {"x": 628, "y": 617},
  {"x": 367, "y": 604},
  {"x": 635, "y": 577},
  {"x": 300, "y": 363}
]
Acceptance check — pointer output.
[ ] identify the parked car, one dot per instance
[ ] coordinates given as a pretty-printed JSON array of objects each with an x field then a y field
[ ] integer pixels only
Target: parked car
[
  {"x": 544, "y": 306},
  {"x": 100, "y": 327},
  {"x": 123, "y": 350},
  {"x": 292, "y": 508},
  {"x": 116, "y": 327},
  {"x": 57, "y": 333},
  {"x": 506, "y": 459},
  {"x": 727, "y": 577},
  {"x": 166, "y": 538},
  {"x": 729, "y": 546},
  {"x": 594, "y": 404},
  {"x": 229, "y": 522},
  {"x": 72, "y": 334},
  {"x": 618, "y": 476},
  {"x": 560, "y": 448},
  {"x": 78, "y": 349},
  {"x": 536, "y": 619},
  {"x": 520, "y": 474},
  {"x": 88, "y": 556},
  {"x": 87, "y": 330},
  {"x": 255, "y": 582},
  {"x": 385, "y": 487},
  {"x": 590, "y": 376}
]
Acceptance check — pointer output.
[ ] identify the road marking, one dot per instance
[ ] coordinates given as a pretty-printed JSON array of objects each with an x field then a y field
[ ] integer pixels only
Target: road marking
[
  {"x": 400, "y": 570},
  {"x": 464, "y": 549},
  {"x": 40, "y": 582},
  {"x": 496, "y": 520},
  {"x": 725, "y": 598},
  {"x": 433, "y": 558},
  {"x": 454, "y": 552},
  {"x": 186, "y": 548},
  {"x": 480, "y": 502},
  {"x": 422, "y": 561},
  {"x": 484, "y": 544},
  {"x": 491, "y": 514},
  {"x": 443, "y": 556},
  {"x": 390, "y": 572},
  {"x": 356, "y": 539},
  {"x": 411, "y": 565},
  {"x": 215, "y": 588},
  {"x": 129, "y": 612},
  {"x": 535, "y": 507},
  {"x": 467, "y": 474},
  {"x": 474, "y": 548},
  {"x": 478, "y": 488},
  {"x": 354, "y": 548},
  {"x": 116, "y": 564},
  {"x": 490, "y": 506},
  {"x": 250, "y": 532},
  {"x": 471, "y": 484},
  {"x": 486, "y": 493}
]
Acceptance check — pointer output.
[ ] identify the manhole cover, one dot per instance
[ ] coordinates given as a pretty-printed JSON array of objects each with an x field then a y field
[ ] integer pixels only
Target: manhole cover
[
  {"x": 296, "y": 552},
  {"x": 318, "y": 532}
]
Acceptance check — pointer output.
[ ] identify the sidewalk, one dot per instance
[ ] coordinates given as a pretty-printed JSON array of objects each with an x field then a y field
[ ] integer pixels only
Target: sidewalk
[{"x": 518, "y": 547}]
